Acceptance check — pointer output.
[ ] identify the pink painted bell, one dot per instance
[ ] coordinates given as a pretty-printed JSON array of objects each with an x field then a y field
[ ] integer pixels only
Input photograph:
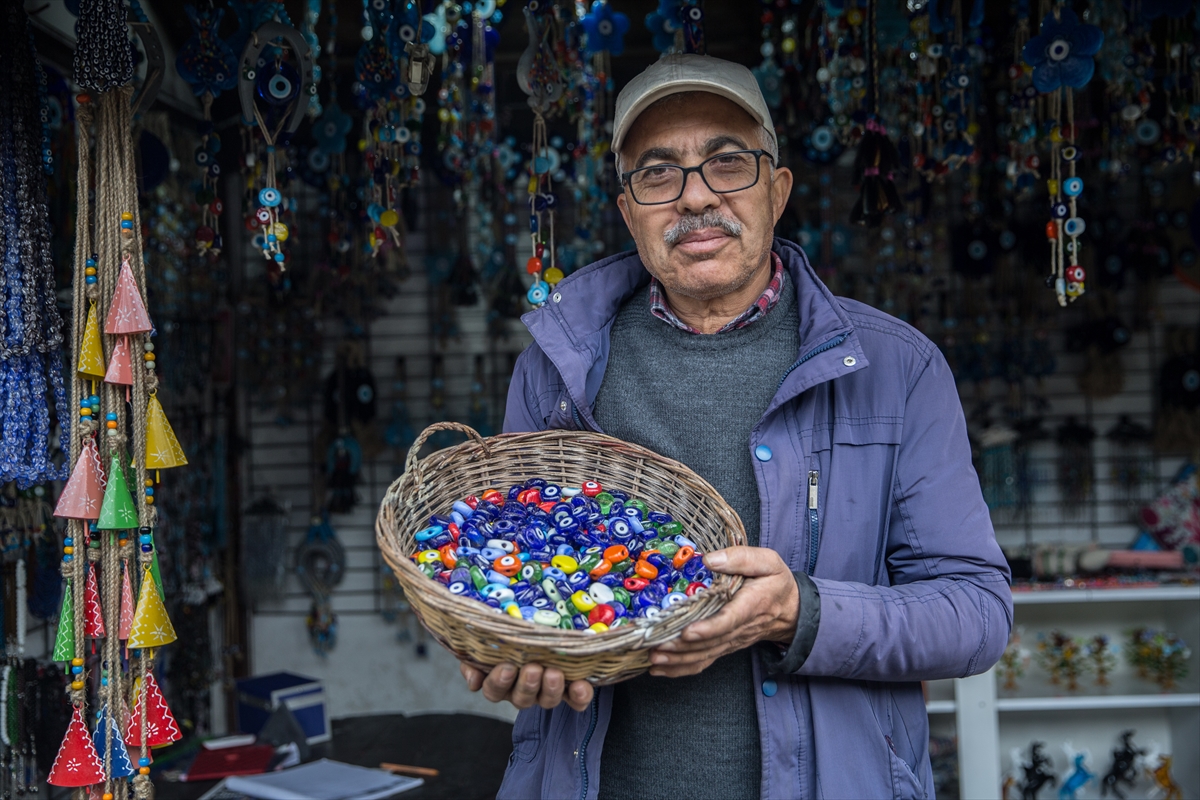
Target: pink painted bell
[
  {"x": 80, "y": 498},
  {"x": 127, "y": 314},
  {"x": 120, "y": 368}
]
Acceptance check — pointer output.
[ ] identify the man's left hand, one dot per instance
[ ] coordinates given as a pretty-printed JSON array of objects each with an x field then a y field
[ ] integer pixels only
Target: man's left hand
[{"x": 764, "y": 609}]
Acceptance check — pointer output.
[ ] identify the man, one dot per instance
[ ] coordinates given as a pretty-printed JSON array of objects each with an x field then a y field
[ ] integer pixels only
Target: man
[{"x": 834, "y": 431}]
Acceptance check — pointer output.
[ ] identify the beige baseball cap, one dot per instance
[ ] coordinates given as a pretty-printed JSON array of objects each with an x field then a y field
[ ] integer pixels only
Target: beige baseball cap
[{"x": 688, "y": 72}]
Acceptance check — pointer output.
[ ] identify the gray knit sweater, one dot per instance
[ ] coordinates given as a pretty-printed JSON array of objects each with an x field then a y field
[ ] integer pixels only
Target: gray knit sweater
[{"x": 694, "y": 398}]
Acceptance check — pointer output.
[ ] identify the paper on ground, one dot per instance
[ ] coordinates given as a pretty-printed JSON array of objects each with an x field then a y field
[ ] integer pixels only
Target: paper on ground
[{"x": 322, "y": 780}]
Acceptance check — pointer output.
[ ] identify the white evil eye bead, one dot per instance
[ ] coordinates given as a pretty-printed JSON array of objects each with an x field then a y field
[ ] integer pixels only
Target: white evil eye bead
[
  {"x": 1073, "y": 187},
  {"x": 269, "y": 197},
  {"x": 538, "y": 293},
  {"x": 1074, "y": 226},
  {"x": 822, "y": 138}
]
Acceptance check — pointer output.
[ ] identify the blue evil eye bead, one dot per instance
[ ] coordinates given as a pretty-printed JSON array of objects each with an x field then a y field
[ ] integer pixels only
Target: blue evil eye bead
[
  {"x": 538, "y": 293},
  {"x": 1073, "y": 187},
  {"x": 578, "y": 580},
  {"x": 202, "y": 157},
  {"x": 497, "y": 577},
  {"x": 1060, "y": 210},
  {"x": 280, "y": 87},
  {"x": 672, "y": 598},
  {"x": 527, "y": 612},
  {"x": 428, "y": 533},
  {"x": 550, "y": 493},
  {"x": 459, "y": 587},
  {"x": 564, "y": 550},
  {"x": 269, "y": 197},
  {"x": 541, "y": 602},
  {"x": 1075, "y": 226},
  {"x": 651, "y": 612}
]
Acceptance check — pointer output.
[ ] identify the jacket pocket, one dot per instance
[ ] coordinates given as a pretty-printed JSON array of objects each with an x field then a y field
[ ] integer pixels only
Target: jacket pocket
[
  {"x": 905, "y": 784},
  {"x": 527, "y": 735}
]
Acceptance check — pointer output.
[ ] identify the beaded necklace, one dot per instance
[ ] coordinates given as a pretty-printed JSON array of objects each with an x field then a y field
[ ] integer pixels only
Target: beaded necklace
[{"x": 30, "y": 326}]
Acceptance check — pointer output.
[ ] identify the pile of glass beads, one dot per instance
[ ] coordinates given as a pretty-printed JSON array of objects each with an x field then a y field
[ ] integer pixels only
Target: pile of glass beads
[{"x": 588, "y": 558}]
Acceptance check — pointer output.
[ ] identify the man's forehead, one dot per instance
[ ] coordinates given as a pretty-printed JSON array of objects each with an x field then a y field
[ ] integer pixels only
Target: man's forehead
[{"x": 688, "y": 122}]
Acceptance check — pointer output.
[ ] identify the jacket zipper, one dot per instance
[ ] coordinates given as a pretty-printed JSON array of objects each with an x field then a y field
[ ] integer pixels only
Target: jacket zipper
[
  {"x": 583, "y": 747},
  {"x": 814, "y": 529},
  {"x": 829, "y": 345}
]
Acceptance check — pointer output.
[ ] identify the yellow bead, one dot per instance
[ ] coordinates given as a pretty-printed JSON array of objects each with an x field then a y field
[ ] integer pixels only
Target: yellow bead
[
  {"x": 76, "y": 685},
  {"x": 280, "y": 230},
  {"x": 149, "y": 500},
  {"x": 362, "y": 145},
  {"x": 854, "y": 17},
  {"x": 389, "y": 218},
  {"x": 68, "y": 550},
  {"x": 513, "y": 610},
  {"x": 85, "y": 412},
  {"x": 429, "y": 556},
  {"x": 533, "y": 185},
  {"x": 90, "y": 271},
  {"x": 1052, "y": 187},
  {"x": 583, "y": 601},
  {"x": 149, "y": 482},
  {"x": 789, "y": 45},
  {"x": 565, "y": 563},
  {"x": 598, "y": 627},
  {"x": 125, "y": 215},
  {"x": 553, "y": 275},
  {"x": 148, "y": 356},
  {"x": 1056, "y": 134},
  {"x": 76, "y": 662}
]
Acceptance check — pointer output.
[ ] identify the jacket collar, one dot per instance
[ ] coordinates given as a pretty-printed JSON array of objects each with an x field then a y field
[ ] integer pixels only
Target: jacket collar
[{"x": 572, "y": 329}]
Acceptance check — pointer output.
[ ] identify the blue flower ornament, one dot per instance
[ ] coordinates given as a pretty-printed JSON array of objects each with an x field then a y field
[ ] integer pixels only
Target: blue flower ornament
[
  {"x": 605, "y": 29},
  {"x": 1062, "y": 53}
]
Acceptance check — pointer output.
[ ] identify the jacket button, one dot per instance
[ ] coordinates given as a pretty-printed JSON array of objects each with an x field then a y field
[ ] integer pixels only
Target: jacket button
[
  {"x": 557, "y": 297},
  {"x": 849, "y": 361},
  {"x": 762, "y": 453},
  {"x": 769, "y": 688},
  {"x": 562, "y": 406}
]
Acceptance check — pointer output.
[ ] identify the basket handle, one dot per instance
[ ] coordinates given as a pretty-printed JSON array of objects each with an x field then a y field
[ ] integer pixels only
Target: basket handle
[{"x": 410, "y": 463}]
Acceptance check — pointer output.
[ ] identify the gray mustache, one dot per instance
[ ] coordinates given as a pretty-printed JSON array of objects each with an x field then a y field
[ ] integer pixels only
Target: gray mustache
[{"x": 695, "y": 222}]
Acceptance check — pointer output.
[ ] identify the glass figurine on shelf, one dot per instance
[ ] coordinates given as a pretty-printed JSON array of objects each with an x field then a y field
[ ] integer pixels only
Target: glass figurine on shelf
[
  {"x": 1164, "y": 782},
  {"x": 1064, "y": 657},
  {"x": 1160, "y": 656},
  {"x": 1101, "y": 653},
  {"x": 1015, "y": 660},
  {"x": 1124, "y": 767},
  {"x": 1037, "y": 772},
  {"x": 1080, "y": 775}
]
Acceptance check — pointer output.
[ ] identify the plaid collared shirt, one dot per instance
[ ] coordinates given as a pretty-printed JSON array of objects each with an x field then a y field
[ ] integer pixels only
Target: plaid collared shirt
[{"x": 759, "y": 308}]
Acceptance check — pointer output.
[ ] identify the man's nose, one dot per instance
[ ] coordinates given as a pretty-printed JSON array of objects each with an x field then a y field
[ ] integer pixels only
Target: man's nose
[{"x": 696, "y": 197}]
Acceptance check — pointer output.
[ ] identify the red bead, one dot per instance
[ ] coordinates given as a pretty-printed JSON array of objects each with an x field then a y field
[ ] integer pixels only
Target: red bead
[
  {"x": 592, "y": 488},
  {"x": 1051, "y": 230},
  {"x": 533, "y": 266},
  {"x": 216, "y": 207},
  {"x": 540, "y": 250},
  {"x": 693, "y": 587},
  {"x": 547, "y": 506},
  {"x": 472, "y": 501},
  {"x": 204, "y": 234},
  {"x": 602, "y": 613},
  {"x": 636, "y": 584},
  {"x": 1076, "y": 274},
  {"x": 454, "y": 531}
]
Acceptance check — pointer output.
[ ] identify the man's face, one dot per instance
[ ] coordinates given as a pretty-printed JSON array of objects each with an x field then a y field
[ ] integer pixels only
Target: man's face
[{"x": 716, "y": 257}]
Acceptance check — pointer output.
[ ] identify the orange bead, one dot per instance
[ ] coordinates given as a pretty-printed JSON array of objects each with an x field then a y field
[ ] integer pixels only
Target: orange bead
[
  {"x": 112, "y": 423},
  {"x": 143, "y": 770},
  {"x": 683, "y": 555},
  {"x": 507, "y": 565},
  {"x": 533, "y": 266},
  {"x": 601, "y": 569},
  {"x": 107, "y": 796},
  {"x": 448, "y": 557},
  {"x": 1051, "y": 230},
  {"x": 646, "y": 570},
  {"x": 616, "y": 553}
]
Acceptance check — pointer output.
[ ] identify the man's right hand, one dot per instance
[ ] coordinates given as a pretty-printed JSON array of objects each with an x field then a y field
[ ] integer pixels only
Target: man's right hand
[{"x": 529, "y": 686}]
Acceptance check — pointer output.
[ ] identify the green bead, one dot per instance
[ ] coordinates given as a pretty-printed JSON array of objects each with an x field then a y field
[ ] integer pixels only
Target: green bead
[
  {"x": 532, "y": 572},
  {"x": 551, "y": 591},
  {"x": 605, "y": 500},
  {"x": 622, "y": 596},
  {"x": 642, "y": 508},
  {"x": 618, "y": 623},
  {"x": 680, "y": 585},
  {"x": 654, "y": 544},
  {"x": 668, "y": 549},
  {"x": 671, "y": 529},
  {"x": 590, "y": 563},
  {"x": 477, "y": 578},
  {"x": 566, "y": 624},
  {"x": 431, "y": 570},
  {"x": 624, "y": 566}
]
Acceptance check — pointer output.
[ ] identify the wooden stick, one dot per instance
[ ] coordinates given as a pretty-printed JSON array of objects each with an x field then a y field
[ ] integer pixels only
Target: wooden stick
[{"x": 405, "y": 769}]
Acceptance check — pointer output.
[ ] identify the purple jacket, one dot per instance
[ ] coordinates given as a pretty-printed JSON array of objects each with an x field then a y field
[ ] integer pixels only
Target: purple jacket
[{"x": 900, "y": 546}]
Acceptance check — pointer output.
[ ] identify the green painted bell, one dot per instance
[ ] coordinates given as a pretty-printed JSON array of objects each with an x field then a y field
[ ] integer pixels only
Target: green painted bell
[
  {"x": 64, "y": 640},
  {"x": 157, "y": 575},
  {"x": 117, "y": 512}
]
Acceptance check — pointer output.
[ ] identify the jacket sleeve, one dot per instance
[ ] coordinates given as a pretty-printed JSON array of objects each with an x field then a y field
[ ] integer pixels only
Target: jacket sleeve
[
  {"x": 521, "y": 411},
  {"x": 948, "y": 610}
]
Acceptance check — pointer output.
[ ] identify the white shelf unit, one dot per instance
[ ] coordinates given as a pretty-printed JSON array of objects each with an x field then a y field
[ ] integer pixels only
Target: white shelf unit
[{"x": 990, "y": 722}]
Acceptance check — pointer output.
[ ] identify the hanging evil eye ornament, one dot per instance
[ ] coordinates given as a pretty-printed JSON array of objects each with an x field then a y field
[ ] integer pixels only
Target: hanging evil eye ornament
[
  {"x": 274, "y": 95},
  {"x": 1062, "y": 57},
  {"x": 375, "y": 66},
  {"x": 605, "y": 29},
  {"x": 209, "y": 65},
  {"x": 666, "y": 26},
  {"x": 308, "y": 29}
]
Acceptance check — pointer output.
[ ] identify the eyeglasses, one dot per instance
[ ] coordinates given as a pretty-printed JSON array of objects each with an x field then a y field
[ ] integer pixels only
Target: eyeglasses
[{"x": 723, "y": 173}]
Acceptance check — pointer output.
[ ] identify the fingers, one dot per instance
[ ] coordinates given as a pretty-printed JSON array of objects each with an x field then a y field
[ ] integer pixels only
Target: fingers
[
  {"x": 753, "y": 562},
  {"x": 579, "y": 695},
  {"x": 553, "y": 684},
  {"x": 680, "y": 670},
  {"x": 527, "y": 686},
  {"x": 473, "y": 677},
  {"x": 744, "y": 606},
  {"x": 499, "y": 682}
]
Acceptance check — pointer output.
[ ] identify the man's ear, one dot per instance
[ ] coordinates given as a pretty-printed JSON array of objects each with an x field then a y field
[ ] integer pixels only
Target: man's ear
[
  {"x": 623, "y": 205},
  {"x": 781, "y": 190}
]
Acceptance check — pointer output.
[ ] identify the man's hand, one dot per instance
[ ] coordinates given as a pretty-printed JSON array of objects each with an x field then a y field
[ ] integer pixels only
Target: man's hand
[
  {"x": 764, "y": 609},
  {"x": 531, "y": 685}
]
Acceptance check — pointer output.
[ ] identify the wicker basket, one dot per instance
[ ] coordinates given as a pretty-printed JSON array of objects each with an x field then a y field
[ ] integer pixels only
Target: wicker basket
[{"x": 478, "y": 635}]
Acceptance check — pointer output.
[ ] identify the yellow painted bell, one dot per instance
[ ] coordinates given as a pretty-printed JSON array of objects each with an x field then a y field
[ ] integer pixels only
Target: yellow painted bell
[
  {"x": 151, "y": 625},
  {"x": 162, "y": 448},
  {"x": 91, "y": 352}
]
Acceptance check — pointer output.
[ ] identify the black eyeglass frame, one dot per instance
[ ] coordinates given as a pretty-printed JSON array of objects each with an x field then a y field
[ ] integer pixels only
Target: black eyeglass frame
[{"x": 758, "y": 154}]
